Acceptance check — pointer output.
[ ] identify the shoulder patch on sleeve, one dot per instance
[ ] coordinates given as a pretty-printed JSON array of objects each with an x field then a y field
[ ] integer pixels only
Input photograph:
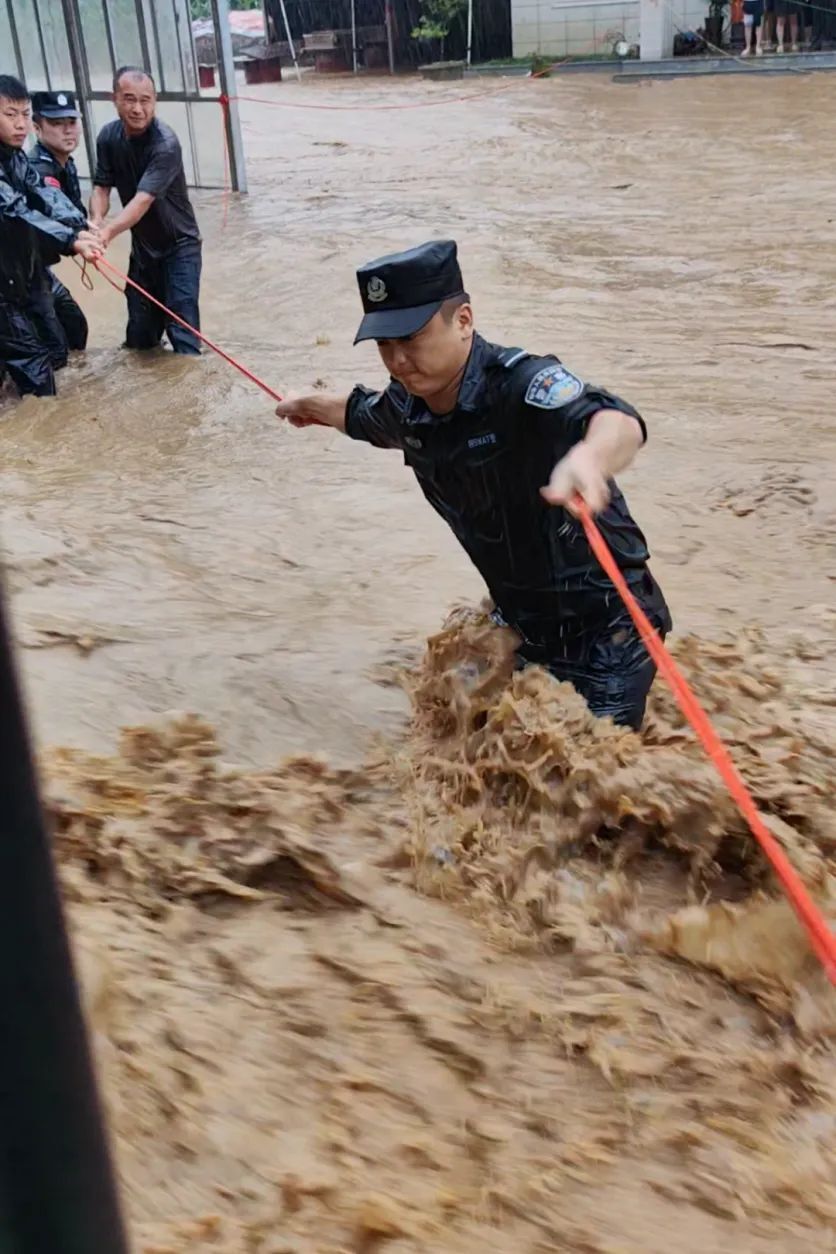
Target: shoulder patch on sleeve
[{"x": 553, "y": 387}]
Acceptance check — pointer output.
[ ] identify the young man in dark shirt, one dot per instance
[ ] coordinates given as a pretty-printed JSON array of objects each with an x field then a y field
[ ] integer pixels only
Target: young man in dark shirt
[
  {"x": 140, "y": 156},
  {"x": 34, "y": 220},
  {"x": 501, "y": 441},
  {"x": 58, "y": 129}
]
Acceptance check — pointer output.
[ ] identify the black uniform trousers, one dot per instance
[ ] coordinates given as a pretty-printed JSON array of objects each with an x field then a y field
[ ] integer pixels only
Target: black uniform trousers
[
  {"x": 615, "y": 676},
  {"x": 69, "y": 314},
  {"x": 32, "y": 343},
  {"x": 609, "y": 666}
]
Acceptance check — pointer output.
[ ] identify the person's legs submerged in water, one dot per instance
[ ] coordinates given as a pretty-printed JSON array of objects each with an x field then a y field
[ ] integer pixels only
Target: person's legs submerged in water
[
  {"x": 23, "y": 354},
  {"x": 69, "y": 314},
  {"x": 181, "y": 281},
  {"x": 146, "y": 322},
  {"x": 40, "y": 309},
  {"x": 611, "y": 667},
  {"x": 616, "y": 677}
]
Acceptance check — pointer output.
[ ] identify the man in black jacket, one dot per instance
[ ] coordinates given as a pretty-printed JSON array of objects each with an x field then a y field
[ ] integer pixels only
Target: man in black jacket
[
  {"x": 33, "y": 218},
  {"x": 501, "y": 442},
  {"x": 58, "y": 130}
]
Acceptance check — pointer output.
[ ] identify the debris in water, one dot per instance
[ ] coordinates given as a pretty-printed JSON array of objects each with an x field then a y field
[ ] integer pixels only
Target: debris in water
[{"x": 324, "y": 1061}]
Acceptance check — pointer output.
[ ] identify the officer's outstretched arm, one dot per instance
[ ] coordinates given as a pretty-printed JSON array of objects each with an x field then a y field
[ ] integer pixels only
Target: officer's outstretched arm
[
  {"x": 314, "y": 411},
  {"x": 611, "y": 442},
  {"x": 364, "y": 415}
]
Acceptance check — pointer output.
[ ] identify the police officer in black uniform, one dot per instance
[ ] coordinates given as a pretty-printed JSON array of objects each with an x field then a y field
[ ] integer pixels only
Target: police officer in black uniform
[
  {"x": 502, "y": 442},
  {"x": 58, "y": 128},
  {"x": 33, "y": 218}
]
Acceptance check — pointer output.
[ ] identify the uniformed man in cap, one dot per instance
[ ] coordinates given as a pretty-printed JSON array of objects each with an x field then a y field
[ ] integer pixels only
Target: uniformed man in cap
[
  {"x": 501, "y": 441},
  {"x": 33, "y": 218},
  {"x": 57, "y": 124}
]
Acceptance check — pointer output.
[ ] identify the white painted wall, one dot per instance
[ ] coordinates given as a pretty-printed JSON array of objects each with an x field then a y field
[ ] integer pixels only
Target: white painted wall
[{"x": 560, "y": 28}]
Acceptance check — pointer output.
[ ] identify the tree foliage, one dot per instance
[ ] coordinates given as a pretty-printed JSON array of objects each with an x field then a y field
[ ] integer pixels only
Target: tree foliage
[
  {"x": 203, "y": 8},
  {"x": 437, "y": 18}
]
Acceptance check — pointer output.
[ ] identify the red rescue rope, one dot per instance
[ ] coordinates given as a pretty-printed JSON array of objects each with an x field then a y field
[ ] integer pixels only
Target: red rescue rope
[
  {"x": 216, "y": 348},
  {"x": 463, "y": 98},
  {"x": 341, "y": 108},
  {"x": 408, "y": 104},
  {"x": 821, "y": 937}
]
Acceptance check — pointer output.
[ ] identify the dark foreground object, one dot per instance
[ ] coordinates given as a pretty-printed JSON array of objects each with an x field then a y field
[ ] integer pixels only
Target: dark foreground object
[{"x": 57, "y": 1191}]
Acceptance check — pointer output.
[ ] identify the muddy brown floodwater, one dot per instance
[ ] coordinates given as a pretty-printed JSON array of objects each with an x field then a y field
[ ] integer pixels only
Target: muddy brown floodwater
[{"x": 493, "y": 976}]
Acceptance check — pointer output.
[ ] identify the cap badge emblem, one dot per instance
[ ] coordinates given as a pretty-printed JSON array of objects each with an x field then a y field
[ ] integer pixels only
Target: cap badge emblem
[
  {"x": 61, "y": 98},
  {"x": 376, "y": 290}
]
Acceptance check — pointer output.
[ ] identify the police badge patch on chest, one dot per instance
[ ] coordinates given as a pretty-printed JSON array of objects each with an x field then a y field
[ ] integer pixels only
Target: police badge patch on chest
[{"x": 553, "y": 387}]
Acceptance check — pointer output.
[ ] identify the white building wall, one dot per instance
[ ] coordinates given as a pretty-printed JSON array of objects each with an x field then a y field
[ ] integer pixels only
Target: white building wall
[{"x": 560, "y": 28}]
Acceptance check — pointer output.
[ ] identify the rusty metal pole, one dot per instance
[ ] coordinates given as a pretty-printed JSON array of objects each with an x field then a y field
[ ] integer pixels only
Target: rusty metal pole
[{"x": 57, "y": 1188}]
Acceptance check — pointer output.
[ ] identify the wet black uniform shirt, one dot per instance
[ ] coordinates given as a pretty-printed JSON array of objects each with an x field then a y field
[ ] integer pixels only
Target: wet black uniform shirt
[
  {"x": 482, "y": 466},
  {"x": 54, "y": 174}
]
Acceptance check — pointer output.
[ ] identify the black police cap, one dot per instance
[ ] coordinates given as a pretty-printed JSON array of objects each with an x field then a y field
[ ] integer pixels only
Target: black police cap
[
  {"x": 54, "y": 104},
  {"x": 400, "y": 293}
]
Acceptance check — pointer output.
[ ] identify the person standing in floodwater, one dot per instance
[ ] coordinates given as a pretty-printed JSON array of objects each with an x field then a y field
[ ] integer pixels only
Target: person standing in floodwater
[
  {"x": 34, "y": 219},
  {"x": 141, "y": 157},
  {"x": 501, "y": 442},
  {"x": 57, "y": 124}
]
